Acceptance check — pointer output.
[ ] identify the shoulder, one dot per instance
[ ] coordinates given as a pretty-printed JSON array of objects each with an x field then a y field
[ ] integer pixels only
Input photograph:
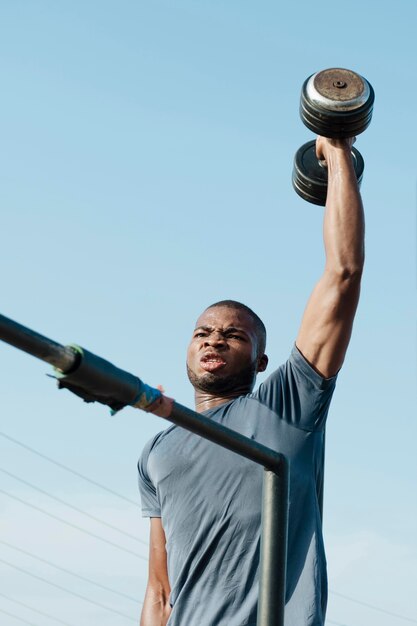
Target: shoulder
[
  {"x": 299, "y": 370},
  {"x": 150, "y": 446},
  {"x": 297, "y": 392},
  {"x": 298, "y": 364}
]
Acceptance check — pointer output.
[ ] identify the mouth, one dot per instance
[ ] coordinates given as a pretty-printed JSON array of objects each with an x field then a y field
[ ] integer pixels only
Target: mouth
[{"x": 212, "y": 362}]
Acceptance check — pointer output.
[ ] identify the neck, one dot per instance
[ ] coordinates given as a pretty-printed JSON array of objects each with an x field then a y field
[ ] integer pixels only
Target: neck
[{"x": 205, "y": 400}]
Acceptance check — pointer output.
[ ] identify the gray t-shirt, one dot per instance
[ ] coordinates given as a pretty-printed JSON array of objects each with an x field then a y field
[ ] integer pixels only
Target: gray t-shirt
[{"x": 209, "y": 500}]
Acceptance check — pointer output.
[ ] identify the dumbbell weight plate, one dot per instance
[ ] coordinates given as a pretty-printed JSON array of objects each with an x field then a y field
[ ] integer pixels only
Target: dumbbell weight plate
[
  {"x": 336, "y": 103},
  {"x": 309, "y": 177}
]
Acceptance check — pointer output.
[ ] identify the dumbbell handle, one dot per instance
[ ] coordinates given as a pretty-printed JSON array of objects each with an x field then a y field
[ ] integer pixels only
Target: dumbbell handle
[{"x": 310, "y": 174}]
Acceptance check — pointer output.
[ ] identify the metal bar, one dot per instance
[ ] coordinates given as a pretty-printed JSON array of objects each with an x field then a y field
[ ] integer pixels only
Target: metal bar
[
  {"x": 273, "y": 561},
  {"x": 276, "y": 475},
  {"x": 226, "y": 437},
  {"x": 275, "y": 497},
  {"x": 61, "y": 357}
]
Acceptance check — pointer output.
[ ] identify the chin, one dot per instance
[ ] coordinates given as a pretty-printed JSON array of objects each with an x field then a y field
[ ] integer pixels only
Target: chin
[{"x": 223, "y": 383}]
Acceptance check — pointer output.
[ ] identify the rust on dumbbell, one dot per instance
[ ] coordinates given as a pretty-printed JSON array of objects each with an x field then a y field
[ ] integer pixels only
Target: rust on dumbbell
[{"x": 339, "y": 84}]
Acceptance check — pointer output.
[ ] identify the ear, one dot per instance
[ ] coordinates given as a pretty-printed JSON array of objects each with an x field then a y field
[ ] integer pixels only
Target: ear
[{"x": 262, "y": 363}]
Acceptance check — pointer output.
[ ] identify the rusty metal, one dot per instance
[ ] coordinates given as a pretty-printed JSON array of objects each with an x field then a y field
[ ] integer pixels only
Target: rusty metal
[{"x": 336, "y": 103}]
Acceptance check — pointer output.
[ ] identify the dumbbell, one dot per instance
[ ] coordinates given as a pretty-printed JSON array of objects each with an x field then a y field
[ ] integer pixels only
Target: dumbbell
[{"x": 334, "y": 103}]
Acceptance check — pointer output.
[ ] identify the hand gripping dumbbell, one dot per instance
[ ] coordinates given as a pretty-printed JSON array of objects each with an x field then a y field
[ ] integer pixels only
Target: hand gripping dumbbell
[{"x": 334, "y": 103}]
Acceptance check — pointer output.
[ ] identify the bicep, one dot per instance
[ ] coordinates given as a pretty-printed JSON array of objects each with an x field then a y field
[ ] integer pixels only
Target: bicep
[{"x": 327, "y": 322}]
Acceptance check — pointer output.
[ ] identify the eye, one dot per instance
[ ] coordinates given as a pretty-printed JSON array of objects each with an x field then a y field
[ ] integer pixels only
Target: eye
[
  {"x": 239, "y": 337},
  {"x": 200, "y": 334}
]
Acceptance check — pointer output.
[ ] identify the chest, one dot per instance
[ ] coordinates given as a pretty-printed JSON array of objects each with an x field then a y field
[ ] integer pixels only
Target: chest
[{"x": 183, "y": 463}]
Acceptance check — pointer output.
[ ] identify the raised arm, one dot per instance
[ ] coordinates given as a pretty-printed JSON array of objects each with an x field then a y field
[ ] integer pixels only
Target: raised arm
[
  {"x": 156, "y": 607},
  {"x": 327, "y": 322}
]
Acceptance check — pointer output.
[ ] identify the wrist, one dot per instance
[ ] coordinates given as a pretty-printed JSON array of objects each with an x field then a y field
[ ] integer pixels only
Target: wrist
[
  {"x": 338, "y": 159},
  {"x": 333, "y": 149}
]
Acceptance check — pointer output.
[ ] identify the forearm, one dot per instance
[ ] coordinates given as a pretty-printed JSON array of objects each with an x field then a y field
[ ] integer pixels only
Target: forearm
[
  {"x": 327, "y": 322},
  {"x": 344, "y": 219},
  {"x": 156, "y": 609}
]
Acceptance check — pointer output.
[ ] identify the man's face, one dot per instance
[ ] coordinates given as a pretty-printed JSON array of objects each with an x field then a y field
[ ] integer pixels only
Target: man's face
[{"x": 223, "y": 353}]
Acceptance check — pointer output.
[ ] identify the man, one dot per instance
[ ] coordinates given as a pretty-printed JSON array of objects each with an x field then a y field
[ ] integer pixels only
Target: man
[{"x": 204, "y": 502}]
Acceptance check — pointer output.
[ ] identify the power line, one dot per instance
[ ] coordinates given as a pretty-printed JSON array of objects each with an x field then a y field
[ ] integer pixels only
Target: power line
[
  {"x": 83, "y": 530},
  {"x": 73, "y": 593},
  {"x": 31, "y": 608},
  {"x": 71, "y": 506},
  {"x": 21, "y": 619},
  {"x": 67, "y": 571},
  {"x": 68, "y": 469},
  {"x": 375, "y": 608}
]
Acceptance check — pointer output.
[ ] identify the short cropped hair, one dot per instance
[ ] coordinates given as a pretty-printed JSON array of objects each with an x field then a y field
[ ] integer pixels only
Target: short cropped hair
[{"x": 259, "y": 325}]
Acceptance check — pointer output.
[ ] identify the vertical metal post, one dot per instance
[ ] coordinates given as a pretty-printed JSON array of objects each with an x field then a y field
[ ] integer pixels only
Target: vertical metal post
[{"x": 273, "y": 562}]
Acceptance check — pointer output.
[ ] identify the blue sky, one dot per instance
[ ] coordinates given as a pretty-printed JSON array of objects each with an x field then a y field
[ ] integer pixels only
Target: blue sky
[{"x": 145, "y": 172}]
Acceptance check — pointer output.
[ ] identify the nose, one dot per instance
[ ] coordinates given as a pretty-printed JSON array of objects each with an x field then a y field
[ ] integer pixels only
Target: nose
[{"x": 215, "y": 339}]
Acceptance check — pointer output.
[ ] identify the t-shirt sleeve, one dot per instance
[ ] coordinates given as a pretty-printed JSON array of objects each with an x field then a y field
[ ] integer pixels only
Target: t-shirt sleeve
[
  {"x": 148, "y": 494},
  {"x": 298, "y": 393}
]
